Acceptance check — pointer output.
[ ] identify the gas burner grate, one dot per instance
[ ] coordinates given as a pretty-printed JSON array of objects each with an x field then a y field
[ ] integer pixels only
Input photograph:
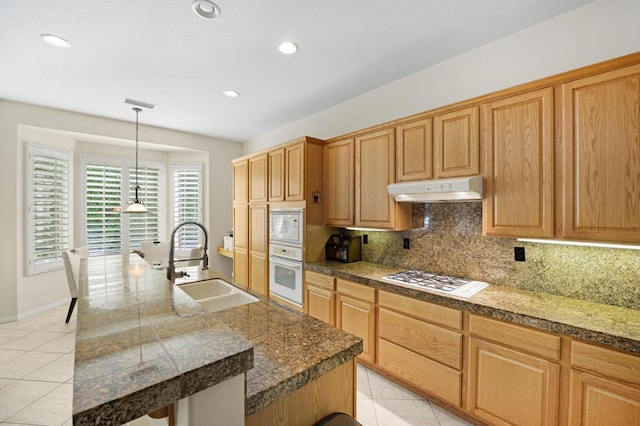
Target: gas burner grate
[{"x": 437, "y": 282}]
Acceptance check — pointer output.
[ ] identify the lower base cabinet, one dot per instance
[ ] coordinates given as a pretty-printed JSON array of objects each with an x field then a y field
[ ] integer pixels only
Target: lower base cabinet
[
  {"x": 510, "y": 387},
  {"x": 356, "y": 314}
]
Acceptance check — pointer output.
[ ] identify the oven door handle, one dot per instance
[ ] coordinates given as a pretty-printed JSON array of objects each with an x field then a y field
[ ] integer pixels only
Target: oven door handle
[{"x": 290, "y": 263}]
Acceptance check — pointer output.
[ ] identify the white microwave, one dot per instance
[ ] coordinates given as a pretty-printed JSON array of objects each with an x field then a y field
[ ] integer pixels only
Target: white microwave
[{"x": 286, "y": 226}]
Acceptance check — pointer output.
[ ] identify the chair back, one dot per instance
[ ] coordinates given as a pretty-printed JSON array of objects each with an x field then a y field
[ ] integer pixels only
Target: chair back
[
  {"x": 71, "y": 260},
  {"x": 155, "y": 252}
]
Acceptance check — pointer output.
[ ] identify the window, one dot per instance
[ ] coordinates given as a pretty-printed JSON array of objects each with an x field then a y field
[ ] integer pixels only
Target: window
[
  {"x": 109, "y": 187},
  {"x": 187, "y": 203},
  {"x": 48, "y": 207}
]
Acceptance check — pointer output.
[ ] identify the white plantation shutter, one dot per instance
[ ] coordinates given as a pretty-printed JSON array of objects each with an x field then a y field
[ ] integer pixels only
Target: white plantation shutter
[
  {"x": 103, "y": 205},
  {"x": 48, "y": 210},
  {"x": 145, "y": 227},
  {"x": 187, "y": 203}
]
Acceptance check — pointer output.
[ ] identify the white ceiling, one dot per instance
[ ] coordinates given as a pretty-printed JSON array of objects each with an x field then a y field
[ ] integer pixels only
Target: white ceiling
[{"x": 159, "y": 51}]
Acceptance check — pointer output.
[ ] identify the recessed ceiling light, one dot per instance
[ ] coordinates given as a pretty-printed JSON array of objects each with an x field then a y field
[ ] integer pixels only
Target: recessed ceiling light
[
  {"x": 230, "y": 93},
  {"x": 55, "y": 40},
  {"x": 288, "y": 47},
  {"x": 206, "y": 9}
]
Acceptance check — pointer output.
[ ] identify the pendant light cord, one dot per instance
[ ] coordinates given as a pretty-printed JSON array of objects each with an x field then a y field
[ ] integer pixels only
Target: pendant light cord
[{"x": 137, "y": 110}]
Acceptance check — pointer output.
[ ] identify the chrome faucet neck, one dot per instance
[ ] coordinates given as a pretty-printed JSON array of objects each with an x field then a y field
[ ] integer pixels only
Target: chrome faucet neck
[{"x": 171, "y": 269}]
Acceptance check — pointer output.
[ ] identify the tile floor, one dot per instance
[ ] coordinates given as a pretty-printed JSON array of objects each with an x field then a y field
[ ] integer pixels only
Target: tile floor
[
  {"x": 36, "y": 369},
  {"x": 36, "y": 380},
  {"x": 384, "y": 403}
]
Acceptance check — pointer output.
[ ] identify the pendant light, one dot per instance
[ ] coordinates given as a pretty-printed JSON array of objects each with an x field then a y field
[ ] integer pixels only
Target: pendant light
[{"x": 136, "y": 206}]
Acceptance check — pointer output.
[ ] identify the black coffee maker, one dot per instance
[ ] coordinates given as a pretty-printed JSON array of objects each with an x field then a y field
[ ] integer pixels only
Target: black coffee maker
[{"x": 343, "y": 248}]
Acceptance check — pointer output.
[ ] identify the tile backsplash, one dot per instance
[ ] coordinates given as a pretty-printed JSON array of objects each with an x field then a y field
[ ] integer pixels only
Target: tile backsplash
[{"x": 447, "y": 238}]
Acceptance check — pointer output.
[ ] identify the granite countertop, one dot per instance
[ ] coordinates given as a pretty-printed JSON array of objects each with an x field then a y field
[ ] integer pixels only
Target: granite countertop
[
  {"x": 593, "y": 322},
  {"x": 142, "y": 343}
]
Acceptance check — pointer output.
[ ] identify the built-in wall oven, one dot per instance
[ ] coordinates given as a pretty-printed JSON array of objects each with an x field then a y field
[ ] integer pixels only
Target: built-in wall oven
[{"x": 286, "y": 239}]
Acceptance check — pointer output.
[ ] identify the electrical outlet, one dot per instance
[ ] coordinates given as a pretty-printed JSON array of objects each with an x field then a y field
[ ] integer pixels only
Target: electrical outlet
[
  {"x": 406, "y": 243},
  {"x": 365, "y": 239},
  {"x": 519, "y": 254}
]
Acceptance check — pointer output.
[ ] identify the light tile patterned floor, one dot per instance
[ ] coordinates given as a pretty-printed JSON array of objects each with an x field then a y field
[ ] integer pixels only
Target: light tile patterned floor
[
  {"x": 36, "y": 369},
  {"x": 36, "y": 376},
  {"x": 384, "y": 403}
]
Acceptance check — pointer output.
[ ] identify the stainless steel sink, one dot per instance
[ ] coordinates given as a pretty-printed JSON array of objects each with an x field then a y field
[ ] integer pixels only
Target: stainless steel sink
[{"x": 217, "y": 294}]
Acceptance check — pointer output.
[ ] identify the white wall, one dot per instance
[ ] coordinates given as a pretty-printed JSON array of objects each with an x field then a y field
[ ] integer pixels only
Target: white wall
[
  {"x": 21, "y": 294},
  {"x": 596, "y": 32}
]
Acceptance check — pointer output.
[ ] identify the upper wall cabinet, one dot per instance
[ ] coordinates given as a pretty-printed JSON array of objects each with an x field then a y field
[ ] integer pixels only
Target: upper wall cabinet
[
  {"x": 240, "y": 181},
  {"x": 339, "y": 183},
  {"x": 295, "y": 173},
  {"x": 517, "y": 139},
  {"x": 414, "y": 151},
  {"x": 601, "y": 157},
  {"x": 258, "y": 178},
  {"x": 456, "y": 141},
  {"x": 374, "y": 171},
  {"x": 276, "y": 175}
]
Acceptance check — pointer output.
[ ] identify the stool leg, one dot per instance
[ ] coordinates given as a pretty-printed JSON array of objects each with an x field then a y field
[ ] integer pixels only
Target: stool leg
[{"x": 71, "y": 306}]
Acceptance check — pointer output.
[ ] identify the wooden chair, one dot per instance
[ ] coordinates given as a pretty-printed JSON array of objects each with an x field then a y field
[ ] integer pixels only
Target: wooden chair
[{"x": 71, "y": 260}]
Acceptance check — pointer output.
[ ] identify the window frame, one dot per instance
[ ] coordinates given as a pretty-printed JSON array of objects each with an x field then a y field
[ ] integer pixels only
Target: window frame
[
  {"x": 199, "y": 168},
  {"x": 32, "y": 266},
  {"x": 126, "y": 165}
]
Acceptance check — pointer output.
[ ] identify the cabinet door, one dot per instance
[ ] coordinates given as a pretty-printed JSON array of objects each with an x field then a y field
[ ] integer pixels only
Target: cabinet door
[
  {"x": 601, "y": 157},
  {"x": 517, "y": 136},
  {"x": 294, "y": 163},
  {"x": 258, "y": 228},
  {"x": 358, "y": 317},
  {"x": 339, "y": 183},
  {"x": 241, "y": 266},
  {"x": 321, "y": 304},
  {"x": 456, "y": 139},
  {"x": 240, "y": 181},
  {"x": 375, "y": 164},
  {"x": 276, "y": 175},
  {"x": 510, "y": 387},
  {"x": 259, "y": 273},
  {"x": 258, "y": 178},
  {"x": 414, "y": 151},
  {"x": 598, "y": 401}
]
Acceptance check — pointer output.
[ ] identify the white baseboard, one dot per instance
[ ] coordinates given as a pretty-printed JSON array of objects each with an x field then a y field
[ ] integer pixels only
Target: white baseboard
[
  {"x": 8, "y": 319},
  {"x": 44, "y": 308}
]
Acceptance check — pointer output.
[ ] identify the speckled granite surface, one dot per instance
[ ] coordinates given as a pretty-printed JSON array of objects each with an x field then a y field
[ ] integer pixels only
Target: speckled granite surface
[
  {"x": 142, "y": 344},
  {"x": 593, "y": 322},
  {"x": 447, "y": 238}
]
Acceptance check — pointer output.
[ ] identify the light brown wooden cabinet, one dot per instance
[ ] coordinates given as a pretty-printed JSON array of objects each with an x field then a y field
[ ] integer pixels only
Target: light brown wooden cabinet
[
  {"x": 604, "y": 386},
  {"x": 601, "y": 157},
  {"x": 356, "y": 314},
  {"x": 240, "y": 244},
  {"x": 510, "y": 379},
  {"x": 339, "y": 183},
  {"x": 421, "y": 343},
  {"x": 258, "y": 178},
  {"x": 241, "y": 181},
  {"x": 374, "y": 171},
  {"x": 295, "y": 172},
  {"x": 258, "y": 248},
  {"x": 276, "y": 175},
  {"x": 456, "y": 141},
  {"x": 320, "y": 297},
  {"x": 414, "y": 150},
  {"x": 517, "y": 136}
]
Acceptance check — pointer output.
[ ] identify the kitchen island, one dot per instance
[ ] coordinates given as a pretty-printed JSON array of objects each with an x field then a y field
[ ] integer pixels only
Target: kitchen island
[{"x": 143, "y": 344}]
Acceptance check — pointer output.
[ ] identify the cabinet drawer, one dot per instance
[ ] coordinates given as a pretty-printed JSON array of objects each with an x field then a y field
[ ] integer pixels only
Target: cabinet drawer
[
  {"x": 531, "y": 341},
  {"x": 614, "y": 364},
  {"x": 319, "y": 280},
  {"x": 424, "y": 310},
  {"x": 426, "y": 339},
  {"x": 356, "y": 290},
  {"x": 433, "y": 377}
]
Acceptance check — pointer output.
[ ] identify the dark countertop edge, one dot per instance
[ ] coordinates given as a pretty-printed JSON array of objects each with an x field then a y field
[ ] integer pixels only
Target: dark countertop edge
[
  {"x": 166, "y": 392},
  {"x": 260, "y": 400},
  {"x": 585, "y": 334}
]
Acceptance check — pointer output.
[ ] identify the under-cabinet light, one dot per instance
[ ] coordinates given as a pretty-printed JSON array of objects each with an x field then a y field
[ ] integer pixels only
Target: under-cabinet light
[{"x": 581, "y": 243}]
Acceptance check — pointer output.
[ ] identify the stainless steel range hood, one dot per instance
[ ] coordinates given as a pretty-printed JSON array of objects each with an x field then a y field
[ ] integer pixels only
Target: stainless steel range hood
[{"x": 438, "y": 190}]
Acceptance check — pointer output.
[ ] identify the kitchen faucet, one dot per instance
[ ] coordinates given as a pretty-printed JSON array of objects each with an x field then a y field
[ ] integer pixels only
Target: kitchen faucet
[{"x": 171, "y": 270}]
